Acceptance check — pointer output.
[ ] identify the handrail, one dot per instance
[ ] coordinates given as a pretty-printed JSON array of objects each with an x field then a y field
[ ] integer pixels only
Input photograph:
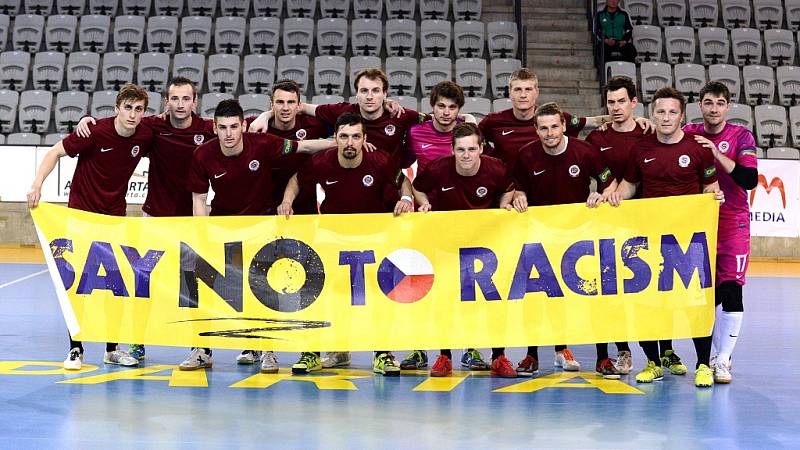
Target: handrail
[{"x": 522, "y": 34}]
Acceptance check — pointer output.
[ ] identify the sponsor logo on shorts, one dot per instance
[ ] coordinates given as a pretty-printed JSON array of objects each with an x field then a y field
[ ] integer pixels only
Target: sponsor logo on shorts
[
  {"x": 684, "y": 161},
  {"x": 367, "y": 180},
  {"x": 574, "y": 170},
  {"x": 254, "y": 165}
]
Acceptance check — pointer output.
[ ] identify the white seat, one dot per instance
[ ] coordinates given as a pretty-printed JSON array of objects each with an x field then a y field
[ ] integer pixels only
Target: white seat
[
  {"x": 648, "y": 43},
  {"x": 34, "y": 111},
  {"x": 715, "y": 47},
  {"x": 501, "y": 38},
  {"x": 298, "y": 36},
  {"x": 27, "y": 34},
  {"x": 196, "y": 34},
  {"x": 788, "y": 86},
  {"x": 367, "y": 9},
  {"x": 329, "y": 75},
  {"x": 467, "y": 9},
  {"x": 14, "y": 69},
  {"x": 671, "y": 12},
  {"x": 435, "y": 38},
  {"x": 129, "y": 34},
  {"x": 401, "y": 9},
  {"x": 783, "y": 153},
  {"x": 229, "y": 34},
  {"x": 93, "y": 33},
  {"x": 640, "y": 11},
  {"x": 162, "y": 34},
  {"x": 469, "y": 39},
  {"x": 301, "y": 8},
  {"x": 152, "y": 71},
  {"x": 70, "y": 108},
  {"x": 655, "y": 75},
  {"x": 267, "y": 9},
  {"x": 402, "y": 74},
  {"x": 472, "y": 75},
  {"x": 332, "y": 37},
  {"x": 117, "y": 70},
  {"x": 792, "y": 14},
  {"x": 209, "y": 102},
  {"x": 477, "y": 106},
  {"x": 434, "y": 9},
  {"x": 235, "y": 8},
  {"x": 59, "y": 35},
  {"x": 264, "y": 35},
  {"x": 794, "y": 123},
  {"x": 728, "y": 75},
  {"x": 689, "y": 79},
  {"x": 680, "y": 44},
  {"x": 254, "y": 104},
  {"x": 259, "y": 73},
  {"x": 621, "y": 68},
  {"x": 771, "y": 126},
  {"x": 8, "y": 110},
  {"x": 334, "y": 9},
  {"x": 780, "y": 47},
  {"x": 82, "y": 71},
  {"x": 746, "y": 45},
  {"x": 48, "y": 71},
  {"x": 223, "y": 72},
  {"x": 703, "y": 13},
  {"x": 191, "y": 66},
  {"x": 768, "y": 14},
  {"x": 759, "y": 84},
  {"x": 294, "y": 67},
  {"x": 736, "y": 13},
  {"x": 501, "y": 70},
  {"x": 740, "y": 114},
  {"x": 401, "y": 37},
  {"x": 433, "y": 71},
  {"x": 366, "y": 37}
]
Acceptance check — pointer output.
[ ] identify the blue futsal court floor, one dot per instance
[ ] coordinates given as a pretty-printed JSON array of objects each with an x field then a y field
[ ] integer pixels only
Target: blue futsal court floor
[{"x": 230, "y": 406}]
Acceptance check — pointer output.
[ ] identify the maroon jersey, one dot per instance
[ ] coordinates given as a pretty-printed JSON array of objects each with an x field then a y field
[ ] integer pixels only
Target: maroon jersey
[
  {"x": 616, "y": 147},
  {"x": 449, "y": 191},
  {"x": 170, "y": 159},
  {"x": 682, "y": 168},
  {"x": 243, "y": 183},
  {"x": 306, "y": 127},
  {"x": 348, "y": 191},
  {"x": 559, "y": 179},
  {"x": 106, "y": 162},
  {"x": 508, "y": 134}
]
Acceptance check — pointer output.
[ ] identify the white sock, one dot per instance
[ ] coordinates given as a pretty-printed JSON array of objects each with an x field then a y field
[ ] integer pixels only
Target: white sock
[
  {"x": 717, "y": 331},
  {"x": 730, "y": 325}
]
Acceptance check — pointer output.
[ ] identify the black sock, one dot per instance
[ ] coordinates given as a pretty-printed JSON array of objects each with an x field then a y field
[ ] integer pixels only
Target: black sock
[
  {"x": 498, "y": 352},
  {"x": 602, "y": 351},
  {"x": 650, "y": 349},
  {"x": 702, "y": 345},
  {"x": 447, "y": 352},
  {"x": 534, "y": 351},
  {"x": 665, "y": 345},
  {"x": 75, "y": 344},
  {"x": 317, "y": 353},
  {"x": 561, "y": 348},
  {"x": 111, "y": 346},
  {"x": 623, "y": 347}
]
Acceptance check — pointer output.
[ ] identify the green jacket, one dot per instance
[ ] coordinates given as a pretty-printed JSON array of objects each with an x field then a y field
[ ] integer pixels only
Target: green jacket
[{"x": 616, "y": 25}]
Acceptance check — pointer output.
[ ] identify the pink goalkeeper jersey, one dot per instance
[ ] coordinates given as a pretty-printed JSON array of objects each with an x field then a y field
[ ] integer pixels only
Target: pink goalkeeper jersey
[{"x": 428, "y": 144}]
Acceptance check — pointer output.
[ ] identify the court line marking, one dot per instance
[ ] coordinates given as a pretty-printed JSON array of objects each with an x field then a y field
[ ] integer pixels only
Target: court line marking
[{"x": 26, "y": 277}]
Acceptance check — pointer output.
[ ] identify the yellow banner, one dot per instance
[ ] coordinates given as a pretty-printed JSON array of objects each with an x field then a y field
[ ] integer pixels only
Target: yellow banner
[{"x": 489, "y": 278}]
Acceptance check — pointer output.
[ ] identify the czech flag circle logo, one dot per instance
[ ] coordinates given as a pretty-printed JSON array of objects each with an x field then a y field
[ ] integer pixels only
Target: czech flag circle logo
[{"x": 405, "y": 275}]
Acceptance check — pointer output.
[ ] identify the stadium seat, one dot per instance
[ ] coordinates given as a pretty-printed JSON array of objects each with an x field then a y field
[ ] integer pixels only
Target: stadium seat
[
  {"x": 235, "y": 8},
  {"x": 195, "y": 34},
  {"x": 326, "y": 99},
  {"x": 736, "y": 13},
  {"x": 294, "y": 67},
  {"x": 189, "y": 65},
  {"x": 655, "y": 75},
  {"x": 93, "y": 33},
  {"x": 402, "y": 74},
  {"x": 117, "y": 71},
  {"x": 229, "y": 34},
  {"x": 264, "y": 35},
  {"x": 254, "y": 104},
  {"x": 223, "y": 73},
  {"x": 359, "y": 63},
  {"x": 82, "y": 71},
  {"x": 759, "y": 84},
  {"x": 332, "y": 37},
  {"x": 301, "y": 8},
  {"x": 24, "y": 139},
  {"x": 367, "y": 9},
  {"x": 501, "y": 37},
  {"x": 771, "y": 126},
  {"x": 788, "y": 86},
  {"x": 434, "y": 9},
  {"x": 334, "y": 9},
  {"x": 205, "y": 8},
  {"x": 330, "y": 76},
  {"x": 468, "y": 39},
  {"x": 680, "y": 44},
  {"x": 27, "y": 34},
  {"x": 780, "y": 47},
  {"x": 640, "y": 110},
  {"x": 435, "y": 38},
  {"x": 59, "y": 34},
  {"x": 2, "y": 139},
  {"x": 671, "y": 12},
  {"x": 70, "y": 107},
  {"x": 768, "y": 14},
  {"x": 48, "y": 71},
  {"x": 401, "y": 9},
  {"x": 693, "y": 114},
  {"x": 136, "y": 8},
  {"x": 10, "y": 7},
  {"x": 209, "y": 102},
  {"x": 794, "y": 120},
  {"x": 103, "y": 104},
  {"x": 268, "y": 8},
  {"x": 129, "y": 34},
  {"x": 5, "y": 21},
  {"x": 34, "y": 111},
  {"x": 8, "y": 110},
  {"x": 621, "y": 68},
  {"x": 640, "y": 11},
  {"x": 52, "y": 139},
  {"x": 477, "y": 106},
  {"x": 409, "y": 102},
  {"x": 703, "y": 13},
  {"x": 162, "y": 34},
  {"x": 298, "y": 36},
  {"x": 366, "y": 37},
  {"x": 715, "y": 47},
  {"x": 67, "y": 7},
  {"x": 501, "y": 104},
  {"x": 168, "y": 7},
  {"x": 689, "y": 79},
  {"x": 472, "y": 75},
  {"x": 154, "y": 104},
  {"x": 467, "y": 9},
  {"x": 746, "y": 45},
  {"x": 792, "y": 15},
  {"x": 103, "y": 7},
  {"x": 152, "y": 71},
  {"x": 501, "y": 70},
  {"x": 783, "y": 153},
  {"x": 39, "y": 7},
  {"x": 258, "y": 74},
  {"x": 729, "y": 75},
  {"x": 14, "y": 68},
  {"x": 432, "y": 71},
  {"x": 648, "y": 43},
  {"x": 401, "y": 37}
]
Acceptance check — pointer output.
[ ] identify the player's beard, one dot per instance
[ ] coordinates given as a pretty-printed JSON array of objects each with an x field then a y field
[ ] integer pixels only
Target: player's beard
[{"x": 349, "y": 153}]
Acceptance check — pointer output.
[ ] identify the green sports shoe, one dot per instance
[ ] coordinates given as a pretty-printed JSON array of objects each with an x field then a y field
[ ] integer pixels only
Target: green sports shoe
[
  {"x": 309, "y": 362},
  {"x": 415, "y": 360},
  {"x": 386, "y": 365},
  {"x": 703, "y": 376},
  {"x": 671, "y": 361},
  {"x": 650, "y": 373}
]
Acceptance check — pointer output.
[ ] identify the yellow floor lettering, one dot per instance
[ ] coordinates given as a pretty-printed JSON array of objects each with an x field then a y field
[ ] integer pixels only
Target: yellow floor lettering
[
  {"x": 331, "y": 379},
  {"x": 12, "y": 368},
  {"x": 176, "y": 378},
  {"x": 560, "y": 380},
  {"x": 441, "y": 384}
]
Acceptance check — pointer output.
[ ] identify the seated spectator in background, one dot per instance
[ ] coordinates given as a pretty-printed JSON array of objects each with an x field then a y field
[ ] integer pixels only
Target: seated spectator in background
[{"x": 614, "y": 28}]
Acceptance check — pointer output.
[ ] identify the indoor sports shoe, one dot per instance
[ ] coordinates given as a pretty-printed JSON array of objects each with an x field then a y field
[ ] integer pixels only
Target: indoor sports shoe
[
  {"x": 443, "y": 367},
  {"x": 415, "y": 360},
  {"x": 136, "y": 351},
  {"x": 473, "y": 360},
  {"x": 624, "y": 363},
  {"x": 607, "y": 369},
  {"x": 713, "y": 363},
  {"x": 703, "y": 376},
  {"x": 121, "y": 358},
  {"x": 309, "y": 362},
  {"x": 386, "y": 365},
  {"x": 528, "y": 366},
  {"x": 74, "y": 359},
  {"x": 566, "y": 361},
  {"x": 269, "y": 362},
  {"x": 501, "y": 367},
  {"x": 248, "y": 357},
  {"x": 197, "y": 359},
  {"x": 671, "y": 361},
  {"x": 650, "y": 373},
  {"x": 722, "y": 374},
  {"x": 336, "y": 359}
]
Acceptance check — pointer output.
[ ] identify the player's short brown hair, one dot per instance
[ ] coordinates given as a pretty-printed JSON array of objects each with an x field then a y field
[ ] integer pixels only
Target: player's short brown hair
[
  {"x": 449, "y": 90},
  {"x": 523, "y": 74},
  {"x": 548, "y": 109},
  {"x": 372, "y": 74},
  {"x": 717, "y": 89},
  {"x": 287, "y": 86},
  {"x": 466, "y": 129},
  {"x": 132, "y": 93},
  {"x": 182, "y": 81},
  {"x": 669, "y": 92}
]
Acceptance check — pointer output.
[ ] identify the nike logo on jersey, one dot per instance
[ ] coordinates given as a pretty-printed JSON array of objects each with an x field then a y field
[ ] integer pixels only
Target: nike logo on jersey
[
  {"x": 647, "y": 160},
  {"x": 535, "y": 173},
  {"x": 103, "y": 150},
  {"x": 602, "y": 149},
  {"x": 426, "y": 145},
  {"x": 220, "y": 175},
  {"x": 328, "y": 183},
  {"x": 445, "y": 189},
  {"x": 165, "y": 134},
  {"x": 506, "y": 132}
]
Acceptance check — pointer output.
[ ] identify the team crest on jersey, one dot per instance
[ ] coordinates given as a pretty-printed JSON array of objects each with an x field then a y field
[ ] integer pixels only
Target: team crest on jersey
[
  {"x": 254, "y": 165},
  {"x": 574, "y": 170},
  {"x": 724, "y": 146},
  {"x": 135, "y": 151},
  {"x": 684, "y": 161},
  {"x": 482, "y": 191},
  {"x": 301, "y": 134},
  {"x": 367, "y": 180},
  {"x": 389, "y": 130},
  {"x": 198, "y": 139}
]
